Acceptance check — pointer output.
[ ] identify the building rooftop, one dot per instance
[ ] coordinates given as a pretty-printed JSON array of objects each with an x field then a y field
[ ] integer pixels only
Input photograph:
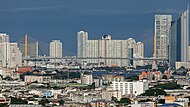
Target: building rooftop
[{"x": 169, "y": 104}]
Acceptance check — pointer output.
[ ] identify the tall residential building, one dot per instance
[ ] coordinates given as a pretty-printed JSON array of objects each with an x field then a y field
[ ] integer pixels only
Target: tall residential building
[
  {"x": 179, "y": 39},
  {"x": 10, "y": 55},
  {"x": 56, "y": 49},
  {"x": 137, "y": 51},
  {"x": 82, "y": 38},
  {"x": 140, "y": 50},
  {"x": 4, "y": 37},
  {"x": 162, "y": 28},
  {"x": 102, "y": 50},
  {"x": 140, "y": 53},
  {"x": 29, "y": 47}
]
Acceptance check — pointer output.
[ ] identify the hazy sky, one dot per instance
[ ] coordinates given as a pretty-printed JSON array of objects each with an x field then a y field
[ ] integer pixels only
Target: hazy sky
[{"x": 45, "y": 20}]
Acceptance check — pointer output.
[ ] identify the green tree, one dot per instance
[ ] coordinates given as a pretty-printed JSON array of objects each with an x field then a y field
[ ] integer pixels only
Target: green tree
[
  {"x": 18, "y": 101},
  {"x": 153, "y": 78},
  {"x": 43, "y": 102},
  {"x": 61, "y": 102},
  {"x": 172, "y": 77},
  {"x": 36, "y": 96},
  {"x": 161, "y": 101},
  {"x": 133, "y": 77},
  {"x": 154, "y": 92},
  {"x": 114, "y": 99},
  {"x": 3, "y": 105},
  {"x": 7, "y": 78},
  {"x": 125, "y": 101},
  {"x": 164, "y": 77},
  {"x": 145, "y": 100},
  {"x": 170, "y": 85},
  {"x": 182, "y": 67}
]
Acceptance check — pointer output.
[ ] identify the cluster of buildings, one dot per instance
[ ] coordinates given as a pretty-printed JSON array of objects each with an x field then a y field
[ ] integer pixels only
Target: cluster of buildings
[
  {"x": 10, "y": 54},
  {"x": 172, "y": 38},
  {"x": 99, "y": 88},
  {"x": 108, "y": 52},
  {"x": 81, "y": 92}
]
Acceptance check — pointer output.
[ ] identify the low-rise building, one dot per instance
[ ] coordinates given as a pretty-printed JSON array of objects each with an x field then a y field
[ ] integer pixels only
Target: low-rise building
[
  {"x": 102, "y": 103},
  {"x": 119, "y": 78},
  {"x": 5, "y": 100},
  {"x": 142, "y": 104},
  {"x": 108, "y": 94},
  {"x": 12, "y": 84},
  {"x": 86, "y": 79},
  {"x": 130, "y": 88},
  {"x": 37, "y": 78},
  {"x": 98, "y": 82}
]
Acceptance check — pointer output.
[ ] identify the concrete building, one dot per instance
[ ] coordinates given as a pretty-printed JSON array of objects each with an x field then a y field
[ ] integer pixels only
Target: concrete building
[
  {"x": 142, "y": 104},
  {"x": 86, "y": 79},
  {"x": 130, "y": 88},
  {"x": 82, "y": 37},
  {"x": 179, "y": 39},
  {"x": 55, "y": 50},
  {"x": 100, "y": 51},
  {"x": 162, "y": 27},
  {"x": 184, "y": 64},
  {"x": 107, "y": 48},
  {"x": 10, "y": 55},
  {"x": 97, "y": 81},
  {"x": 4, "y": 37},
  {"x": 102, "y": 103},
  {"x": 136, "y": 51},
  {"x": 4, "y": 72},
  {"x": 119, "y": 78},
  {"x": 139, "y": 53},
  {"x": 37, "y": 78},
  {"x": 108, "y": 94},
  {"x": 140, "y": 49}
]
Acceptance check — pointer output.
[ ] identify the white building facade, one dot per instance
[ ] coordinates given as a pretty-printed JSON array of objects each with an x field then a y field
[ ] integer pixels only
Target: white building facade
[
  {"x": 162, "y": 27},
  {"x": 86, "y": 79},
  {"x": 56, "y": 49},
  {"x": 4, "y": 37},
  {"x": 82, "y": 37},
  {"x": 100, "y": 52},
  {"x": 10, "y": 56},
  {"x": 130, "y": 88}
]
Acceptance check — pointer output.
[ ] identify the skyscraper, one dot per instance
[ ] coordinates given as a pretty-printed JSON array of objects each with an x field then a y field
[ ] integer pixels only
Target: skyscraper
[
  {"x": 162, "y": 27},
  {"x": 179, "y": 39},
  {"x": 4, "y": 37},
  {"x": 56, "y": 49},
  {"x": 140, "y": 53},
  {"x": 137, "y": 51},
  {"x": 140, "y": 50},
  {"x": 10, "y": 55},
  {"x": 82, "y": 38}
]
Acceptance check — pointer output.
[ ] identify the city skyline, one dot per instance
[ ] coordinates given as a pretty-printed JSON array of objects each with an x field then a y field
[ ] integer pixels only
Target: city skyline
[
  {"x": 102, "y": 53},
  {"x": 63, "y": 20}
]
